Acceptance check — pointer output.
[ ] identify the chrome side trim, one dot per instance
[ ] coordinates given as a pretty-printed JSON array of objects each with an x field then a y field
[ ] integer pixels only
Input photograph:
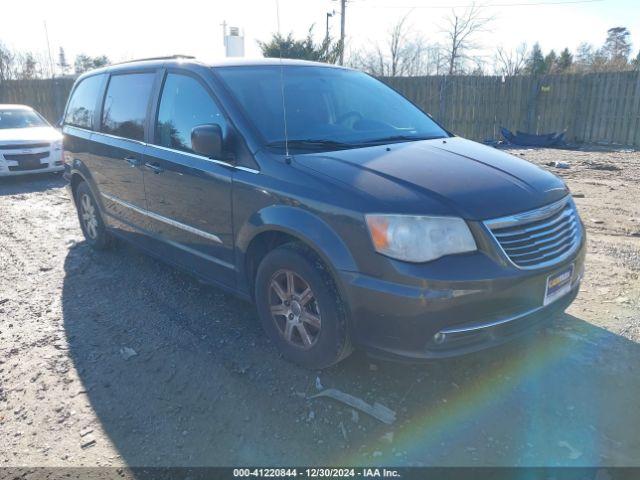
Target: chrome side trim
[
  {"x": 176, "y": 244},
  {"x": 196, "y": 252},
  {"x": 247, "y": 169},
  {"x": 66, "y": 128},
  {"x": 169, "y": 221},
  {"x": 189, "y": 154},
  {"x": 529, "y": 216},
  {"x": 115, "y": 137},
  {"x": 202, "y": 157},
  {"x": 71, "y": 128}
]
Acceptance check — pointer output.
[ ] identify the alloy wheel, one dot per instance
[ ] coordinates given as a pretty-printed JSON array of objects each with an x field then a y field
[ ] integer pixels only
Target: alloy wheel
[
  {"x": 89, "y": 217},
  {"x": 294, "y": 309}
]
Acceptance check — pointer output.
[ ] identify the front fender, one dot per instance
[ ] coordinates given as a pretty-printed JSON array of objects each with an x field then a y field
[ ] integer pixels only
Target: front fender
[{"x": 302, "y": 224}]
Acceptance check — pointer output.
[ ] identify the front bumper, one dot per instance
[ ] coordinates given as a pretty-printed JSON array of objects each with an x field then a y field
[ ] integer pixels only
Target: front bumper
[
  {"x": 51, "y": 161},
  {"x": 438, "y": 319}
]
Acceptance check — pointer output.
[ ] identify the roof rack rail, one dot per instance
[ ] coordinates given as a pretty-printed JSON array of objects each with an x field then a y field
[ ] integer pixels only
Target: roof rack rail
[{"x": 168, "y": 57}]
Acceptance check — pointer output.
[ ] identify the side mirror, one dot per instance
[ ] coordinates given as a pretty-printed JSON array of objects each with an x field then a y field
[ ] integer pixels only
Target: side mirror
[{"x": 206, "y": 140}]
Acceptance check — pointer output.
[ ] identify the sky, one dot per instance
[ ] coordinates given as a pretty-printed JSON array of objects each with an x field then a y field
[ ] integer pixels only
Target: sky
[{"x": 128, "y": 29}]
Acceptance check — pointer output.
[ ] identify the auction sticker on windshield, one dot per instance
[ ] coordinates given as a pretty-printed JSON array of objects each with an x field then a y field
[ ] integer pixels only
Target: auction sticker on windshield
[{"x": 558, "y": 285}]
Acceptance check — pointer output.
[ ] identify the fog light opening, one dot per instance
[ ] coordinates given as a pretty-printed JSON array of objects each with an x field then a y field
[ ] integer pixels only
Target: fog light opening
[{"x": 439, "y": 338}]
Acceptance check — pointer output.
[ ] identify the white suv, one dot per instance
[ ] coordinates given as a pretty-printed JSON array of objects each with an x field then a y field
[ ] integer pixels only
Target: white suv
[{"x": 28, "y": 143}]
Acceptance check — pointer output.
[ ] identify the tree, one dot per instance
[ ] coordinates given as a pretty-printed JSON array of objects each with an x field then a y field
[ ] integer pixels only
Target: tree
[
  {"x": 101, "y": 61},
  {"x": 535, "y": 63},
  {"x": 617, "y": 47},
  {"x": 460, "y": 32},
  {"x": 404, "y": 53},
  {"x": 62, "y": 62},
  {"x": 306, "y": 49},
  {"x": 28, "y": 67},
  {"x": 398, "y": 46},
  {"x": 511, "y": 62},
  {"x": 7, "y": 63},
  {"x": 84, "y": 62},
  {"x": 551, "y": 62},
  {"x": 584, "y": 57},
  {"x": 636, "y": 62},
  {"x": 565, "y": 61}
]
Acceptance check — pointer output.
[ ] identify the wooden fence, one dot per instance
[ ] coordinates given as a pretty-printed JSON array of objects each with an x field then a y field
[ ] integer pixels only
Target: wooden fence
[
  {"x": 592, "y": 108},
  {"x": 47, "y": 96}
]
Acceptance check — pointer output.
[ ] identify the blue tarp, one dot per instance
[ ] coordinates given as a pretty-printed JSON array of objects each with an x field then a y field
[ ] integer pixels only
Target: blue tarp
[{"x": 555, "y": 139}]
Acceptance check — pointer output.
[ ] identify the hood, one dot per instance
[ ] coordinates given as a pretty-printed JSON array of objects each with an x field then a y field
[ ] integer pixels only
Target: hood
[
  {"x": 441, "y": 177},
  {"x": 27, "y": 135}
]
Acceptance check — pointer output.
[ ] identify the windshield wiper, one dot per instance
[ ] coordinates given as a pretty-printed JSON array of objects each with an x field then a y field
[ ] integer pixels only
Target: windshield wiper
[
  {"x": 398, "y": 138},
  {"x": 311, "y": 143}
]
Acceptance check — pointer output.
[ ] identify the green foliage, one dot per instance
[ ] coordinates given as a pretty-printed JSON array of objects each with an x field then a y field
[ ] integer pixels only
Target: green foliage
[
  {"x": 565, "y": 60},
  {"x": 84, "y": 62},
  {"x": 536, "y": 63},
  {"x": 617, "y": 46},
  {"x": 305, "y": 49},
  {"x": 29, "y": 67},
  {"x": 636, "y": 62},
  {"x": 550, "y": 62}
]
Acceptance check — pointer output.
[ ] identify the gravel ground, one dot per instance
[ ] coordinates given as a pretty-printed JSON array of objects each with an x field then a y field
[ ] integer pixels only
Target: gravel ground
[{"x": 117, "y": 359}]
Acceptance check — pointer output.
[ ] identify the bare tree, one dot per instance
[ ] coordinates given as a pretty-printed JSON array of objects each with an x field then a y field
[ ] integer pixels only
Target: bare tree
[
  {"x": 511, "y": 62},
  {"x": 400, "y": 53},
  {"x": 7, "y": 63},
  {"x": 29, "y": 65},
  {"x": 460, "y": 30},
  {"x": 405, "y": 53}
]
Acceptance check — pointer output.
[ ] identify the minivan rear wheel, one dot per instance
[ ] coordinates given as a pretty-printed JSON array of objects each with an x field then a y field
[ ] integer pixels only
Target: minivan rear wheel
[
  {"x": 300, "y": 307},
  {"x": 91, "y": 223}
]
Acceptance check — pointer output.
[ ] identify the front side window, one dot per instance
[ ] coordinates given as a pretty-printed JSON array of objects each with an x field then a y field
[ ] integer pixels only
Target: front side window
[
  {"x": 125, "y": 105},
  {"x": 82, "y": 104},
  {"x": 325, "y": 107},
  {"x": 20, "y": 118},
  {"x": 185, "y": 104}
]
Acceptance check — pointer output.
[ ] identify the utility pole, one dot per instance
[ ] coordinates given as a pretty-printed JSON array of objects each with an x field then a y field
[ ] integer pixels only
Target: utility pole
[
  {"x": 329, "y": 15},
  {"x": 46, "y": 34},
  {"x": 343, "y": 7}
]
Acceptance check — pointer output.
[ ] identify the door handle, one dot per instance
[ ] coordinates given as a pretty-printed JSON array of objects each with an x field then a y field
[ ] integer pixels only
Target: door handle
[
  {"x": 154, "y": 167},
  {"x": 134, "y": 162}
]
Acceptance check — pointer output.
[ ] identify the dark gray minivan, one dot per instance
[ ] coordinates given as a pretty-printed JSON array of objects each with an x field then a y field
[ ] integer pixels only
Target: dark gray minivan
[{"x": 348, "y": 215}]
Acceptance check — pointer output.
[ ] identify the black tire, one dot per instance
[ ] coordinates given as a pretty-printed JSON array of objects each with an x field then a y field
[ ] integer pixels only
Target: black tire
[
  {"x": 94, "y": 230},
  {"x": 331, "y": 342}
]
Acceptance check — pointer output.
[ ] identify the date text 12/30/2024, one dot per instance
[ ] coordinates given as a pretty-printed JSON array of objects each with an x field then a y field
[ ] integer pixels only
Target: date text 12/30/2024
[{"x": 315, "y": 473}]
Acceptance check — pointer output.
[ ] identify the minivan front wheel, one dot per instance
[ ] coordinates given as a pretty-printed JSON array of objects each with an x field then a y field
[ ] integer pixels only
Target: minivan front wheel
[
  {"x": 90, "y": 218},
  {"x": 300, "y": 308}
]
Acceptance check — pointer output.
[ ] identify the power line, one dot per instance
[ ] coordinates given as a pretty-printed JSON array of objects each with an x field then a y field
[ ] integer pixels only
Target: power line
[{"x": 489, "y": 5}]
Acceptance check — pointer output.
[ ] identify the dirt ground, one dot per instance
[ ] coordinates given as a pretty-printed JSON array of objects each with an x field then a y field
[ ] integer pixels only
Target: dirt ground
[{"x": 117, "y": 359}]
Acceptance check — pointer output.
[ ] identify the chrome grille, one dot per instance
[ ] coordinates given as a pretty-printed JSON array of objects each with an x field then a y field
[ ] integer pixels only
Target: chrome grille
[{"x": 540, "y": 237}]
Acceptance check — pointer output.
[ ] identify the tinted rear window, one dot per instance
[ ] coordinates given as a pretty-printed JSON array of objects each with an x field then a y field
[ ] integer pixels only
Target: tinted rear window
[
  {"x": 125, "y": 105},
  {"x": 82, "y": 104}
]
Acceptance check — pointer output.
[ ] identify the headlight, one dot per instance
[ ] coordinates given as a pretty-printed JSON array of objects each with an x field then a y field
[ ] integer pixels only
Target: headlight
[
  {"x": 56, "y": 145},
  {"x": 419, "y": 238}
]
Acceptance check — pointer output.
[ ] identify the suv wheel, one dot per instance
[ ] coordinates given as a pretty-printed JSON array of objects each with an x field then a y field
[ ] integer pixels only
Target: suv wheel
[
  {"x": 300, "y": 307},
  {"x": 90, "y": 218}
]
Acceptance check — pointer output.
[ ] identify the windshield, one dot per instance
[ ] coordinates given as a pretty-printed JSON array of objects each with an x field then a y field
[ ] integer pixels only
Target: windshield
[
  {"x": 21, "y": 118},
  {"x": 326, "y": 108}
]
